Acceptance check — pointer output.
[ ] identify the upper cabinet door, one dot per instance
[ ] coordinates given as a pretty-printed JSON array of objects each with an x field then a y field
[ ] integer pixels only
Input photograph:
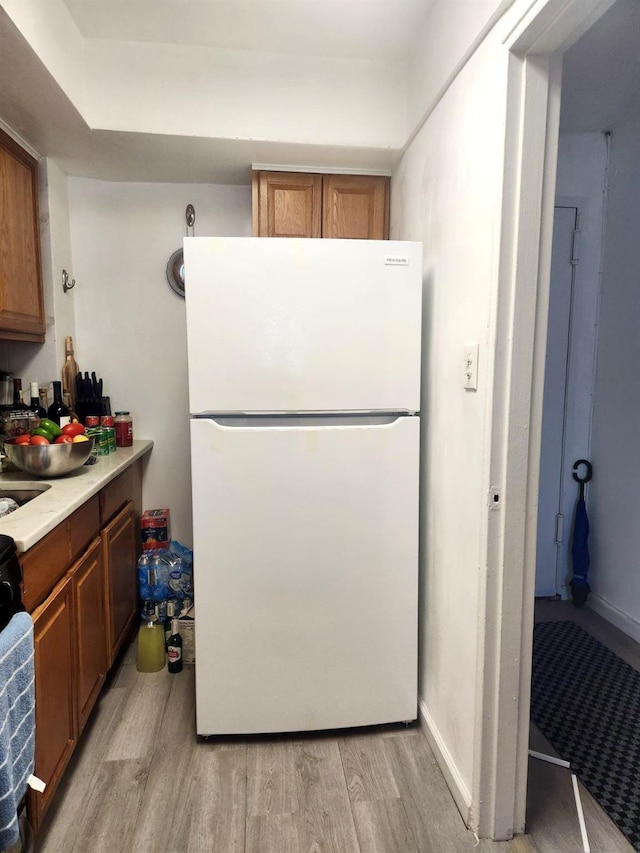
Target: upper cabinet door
[
  {"x": 290, "y": 204},
  {"x": 21, "y": 302},
  {"x": 355, "y": 207},
  {"x": 286, "y": 204}
]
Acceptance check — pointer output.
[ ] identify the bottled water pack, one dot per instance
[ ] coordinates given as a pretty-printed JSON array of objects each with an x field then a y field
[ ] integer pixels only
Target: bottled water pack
[{"x": 166, "y": 573}]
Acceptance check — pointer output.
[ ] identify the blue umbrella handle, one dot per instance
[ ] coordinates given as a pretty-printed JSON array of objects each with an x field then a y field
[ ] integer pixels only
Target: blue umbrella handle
[{"x": 587, "y": 476}]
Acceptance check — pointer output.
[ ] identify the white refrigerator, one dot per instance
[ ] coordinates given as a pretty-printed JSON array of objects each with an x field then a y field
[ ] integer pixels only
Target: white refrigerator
[{"x": 304, "y": 390}]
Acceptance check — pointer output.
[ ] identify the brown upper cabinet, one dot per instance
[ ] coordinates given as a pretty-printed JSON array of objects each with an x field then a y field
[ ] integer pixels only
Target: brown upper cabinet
[
  {"x": 21, "y": 303},
  {"x": 288, "y": 204}
]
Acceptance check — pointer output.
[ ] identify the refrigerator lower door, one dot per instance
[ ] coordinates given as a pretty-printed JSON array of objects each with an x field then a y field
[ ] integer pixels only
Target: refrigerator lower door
[{"x": 306, "y": 575}]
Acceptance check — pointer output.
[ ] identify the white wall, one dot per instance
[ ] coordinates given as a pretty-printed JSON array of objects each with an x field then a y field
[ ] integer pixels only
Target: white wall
[
  {"x": 614, "y": 503},
  {"x": 50, "y": 30},
  {"x": 447, "y": 193},
  {"x": 131, "y": 325},
  {"x": 451, "y": 29},
  {"x": 200, "y": 91}
]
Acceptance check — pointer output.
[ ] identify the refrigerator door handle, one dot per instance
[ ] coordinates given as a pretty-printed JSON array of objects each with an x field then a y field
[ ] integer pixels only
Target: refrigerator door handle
[{"x": 328, "y": 421}]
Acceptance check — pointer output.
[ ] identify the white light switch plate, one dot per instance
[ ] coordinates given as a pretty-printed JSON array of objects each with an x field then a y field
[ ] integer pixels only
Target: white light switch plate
[{"x": 470, "y": 368}]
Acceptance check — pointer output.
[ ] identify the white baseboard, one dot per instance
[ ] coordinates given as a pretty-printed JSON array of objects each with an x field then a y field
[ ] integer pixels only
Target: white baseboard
[
  {"x": 454, "y": 780},
  {"x": 627, "y": 624}
]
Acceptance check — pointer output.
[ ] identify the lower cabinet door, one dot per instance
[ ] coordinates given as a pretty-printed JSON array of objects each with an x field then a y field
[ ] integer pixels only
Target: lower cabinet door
[
  {"x": 120, "y": 557},
  {"x": 89, "y": 598},
  {"x": 56, "y": 726}
]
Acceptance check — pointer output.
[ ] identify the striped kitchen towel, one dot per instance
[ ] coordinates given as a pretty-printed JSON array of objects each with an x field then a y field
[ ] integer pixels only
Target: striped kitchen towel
[{"x": 17, "y": 721}]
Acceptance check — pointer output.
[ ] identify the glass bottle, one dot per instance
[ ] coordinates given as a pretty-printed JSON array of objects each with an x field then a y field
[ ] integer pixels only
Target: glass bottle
[
  {"x": 151, "y": 653},
  {"x": 174, "y": 648},
  {"x": 18, "y": 402},
  {"x": 58, "y": 412},
  {"x": 35, "y": 402},
  {"x": 43, "y": 391},
  {"x": 171, "y": 615},
  {"x": 69, "y": 373},
  {"x": 123, "y": 424}
]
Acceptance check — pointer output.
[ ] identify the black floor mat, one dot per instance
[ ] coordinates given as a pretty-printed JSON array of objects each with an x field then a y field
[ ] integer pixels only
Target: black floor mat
[{"x": 586, "y": 701}]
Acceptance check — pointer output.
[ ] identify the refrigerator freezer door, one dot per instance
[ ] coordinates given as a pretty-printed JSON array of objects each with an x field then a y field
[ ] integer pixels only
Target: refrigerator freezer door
[
  {"x": 303, "y": 325},
  {"x": 306, "y": 571}
]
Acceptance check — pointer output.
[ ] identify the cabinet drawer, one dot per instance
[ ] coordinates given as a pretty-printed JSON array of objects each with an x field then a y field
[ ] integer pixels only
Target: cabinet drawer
[
  {"x": 44, "y": 564},
  {"x": 84, "y": 525},
  {"x": 115, "y": 495}
]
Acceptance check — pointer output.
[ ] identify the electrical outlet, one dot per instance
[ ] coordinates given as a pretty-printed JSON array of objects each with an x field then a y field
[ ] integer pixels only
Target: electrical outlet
[{"x": 471, "y": 367}]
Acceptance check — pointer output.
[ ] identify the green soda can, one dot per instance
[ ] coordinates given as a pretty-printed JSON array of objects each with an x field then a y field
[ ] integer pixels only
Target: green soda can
[
  {"x": 103, "y": 442},
  {"x": 111, "y": 438},
  {"x": 92, "y": 432}
]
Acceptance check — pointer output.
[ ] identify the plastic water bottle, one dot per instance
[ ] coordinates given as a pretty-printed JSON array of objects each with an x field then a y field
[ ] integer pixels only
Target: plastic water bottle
[
  {"x": 159, "y": 570},
  {"x": 145, "y": 590}
]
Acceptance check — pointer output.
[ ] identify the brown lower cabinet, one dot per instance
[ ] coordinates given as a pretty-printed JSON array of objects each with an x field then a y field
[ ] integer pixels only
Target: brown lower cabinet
[
  {"x": 91, "y": 629},
  {"x": 118, "y": 544},
  {"x": 80, "y": 584},
  {"x": 56, "y": 726}
]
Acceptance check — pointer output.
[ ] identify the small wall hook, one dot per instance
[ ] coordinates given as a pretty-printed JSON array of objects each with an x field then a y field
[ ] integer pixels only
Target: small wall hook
[{"x": 66, "y": 284}]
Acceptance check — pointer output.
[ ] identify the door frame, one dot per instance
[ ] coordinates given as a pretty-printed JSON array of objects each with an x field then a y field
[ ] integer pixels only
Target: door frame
[{"x": 535, "y": 40}]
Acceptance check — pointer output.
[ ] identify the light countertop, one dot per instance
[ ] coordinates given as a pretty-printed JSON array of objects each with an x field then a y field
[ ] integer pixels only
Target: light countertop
[{"x": 28, "y": 524}]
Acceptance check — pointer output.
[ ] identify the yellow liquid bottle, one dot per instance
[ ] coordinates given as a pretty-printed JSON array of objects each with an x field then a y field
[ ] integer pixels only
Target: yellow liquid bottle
[{"x": 151, "y": 649}]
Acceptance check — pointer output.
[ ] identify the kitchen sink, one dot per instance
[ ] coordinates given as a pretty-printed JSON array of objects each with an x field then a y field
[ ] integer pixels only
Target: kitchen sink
[{"x": 23, "y": 496}]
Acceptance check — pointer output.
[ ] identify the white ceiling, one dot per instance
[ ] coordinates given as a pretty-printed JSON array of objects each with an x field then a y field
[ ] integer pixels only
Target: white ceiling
[
  {"x": 362, "y": 29},
  {"x": 601, "y": 72},
  {"x": 601, "y": 77}
]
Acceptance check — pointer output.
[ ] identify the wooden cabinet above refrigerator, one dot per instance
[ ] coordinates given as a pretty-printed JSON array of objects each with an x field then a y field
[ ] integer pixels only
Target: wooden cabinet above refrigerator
[{"x": 292, "y": 204}]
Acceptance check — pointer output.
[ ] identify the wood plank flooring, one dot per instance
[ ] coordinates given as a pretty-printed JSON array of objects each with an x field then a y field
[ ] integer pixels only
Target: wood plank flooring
[{"x": 140, "y": 780}]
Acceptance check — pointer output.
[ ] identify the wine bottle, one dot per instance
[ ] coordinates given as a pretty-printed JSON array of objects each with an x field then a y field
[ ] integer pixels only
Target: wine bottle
[
  {"x": 18, "y": 402},
  {"x": 174, "y": 648},
  {"x": 35, "y": 402},
  {"x": 58, "y": 412},
  {"x": 170, "y": 615}
]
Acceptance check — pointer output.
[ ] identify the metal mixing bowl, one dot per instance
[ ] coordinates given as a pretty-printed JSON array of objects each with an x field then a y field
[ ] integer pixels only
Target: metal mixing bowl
[{"x": 49, "y": 460}]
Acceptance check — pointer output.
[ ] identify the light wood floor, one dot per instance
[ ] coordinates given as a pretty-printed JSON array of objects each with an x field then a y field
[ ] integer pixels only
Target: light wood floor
[{"x": 141, "y": 781}]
